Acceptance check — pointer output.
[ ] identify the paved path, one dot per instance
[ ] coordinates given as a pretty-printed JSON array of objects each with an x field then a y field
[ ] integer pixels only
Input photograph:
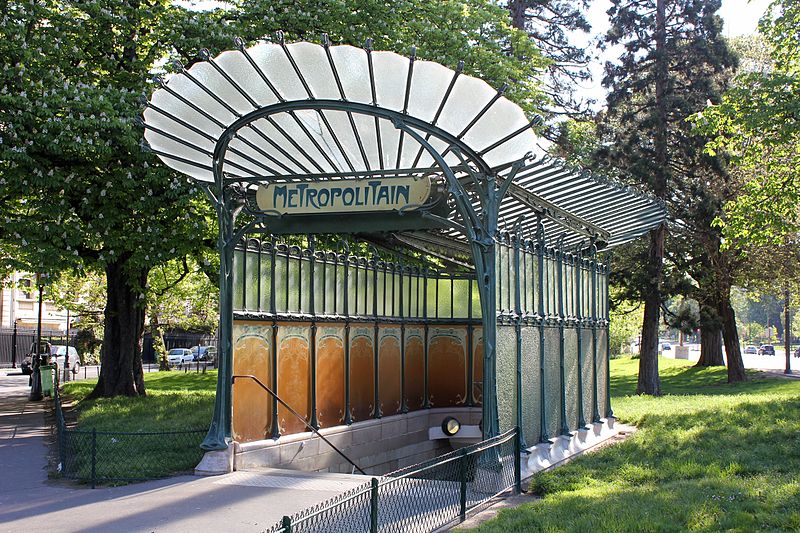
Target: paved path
[{"x": 241, "y": 501}]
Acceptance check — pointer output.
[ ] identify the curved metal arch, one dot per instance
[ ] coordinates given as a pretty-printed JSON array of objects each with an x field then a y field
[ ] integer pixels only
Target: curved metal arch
[{"x": 221, "y": 147}]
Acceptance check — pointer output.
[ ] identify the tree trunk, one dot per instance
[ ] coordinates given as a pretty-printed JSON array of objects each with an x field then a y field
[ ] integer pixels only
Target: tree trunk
[
  {"x": 649, "y": 382},
  {"x": 710, "y": 346},
  {"x": 733, "y": 351},
  {"x": 517, "y": 10},
  {"x": 121, "y": 352}
]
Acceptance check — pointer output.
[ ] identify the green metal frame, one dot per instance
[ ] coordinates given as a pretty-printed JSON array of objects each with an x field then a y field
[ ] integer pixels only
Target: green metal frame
[{"x": 479, "y": 225}]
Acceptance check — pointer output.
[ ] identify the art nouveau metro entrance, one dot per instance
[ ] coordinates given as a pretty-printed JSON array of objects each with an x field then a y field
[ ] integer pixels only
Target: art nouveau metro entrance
[{"x": 394, "y": 247}]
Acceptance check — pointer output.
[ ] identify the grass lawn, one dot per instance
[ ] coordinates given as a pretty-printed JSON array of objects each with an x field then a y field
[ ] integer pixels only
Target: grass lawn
[
  {"x": 130, "y": 443},
  {"x": 708, "y": 456}
]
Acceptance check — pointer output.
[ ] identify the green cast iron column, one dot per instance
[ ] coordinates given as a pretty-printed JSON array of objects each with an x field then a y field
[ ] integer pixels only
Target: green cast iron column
[
  {"x": 543, "y": 435},
  {"x": 219, "y": 433},
  {"x": 561, "y": 318}
]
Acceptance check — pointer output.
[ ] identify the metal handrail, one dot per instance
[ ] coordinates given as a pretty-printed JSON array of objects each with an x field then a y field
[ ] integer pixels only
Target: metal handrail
[{"x": 299, "y": 417}]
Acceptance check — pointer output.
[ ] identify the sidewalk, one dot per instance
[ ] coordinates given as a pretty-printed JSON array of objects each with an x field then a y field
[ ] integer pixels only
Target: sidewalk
[{"x": 241, "y": 501}]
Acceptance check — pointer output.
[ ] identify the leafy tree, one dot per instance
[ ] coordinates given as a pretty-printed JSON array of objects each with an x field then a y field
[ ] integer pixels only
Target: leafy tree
[
  {"x": 756, "y": 124},
  {"x": 552, "y": 26},
  {"x": 674, "y": 58},
  {"x": 78, "y": 191}
]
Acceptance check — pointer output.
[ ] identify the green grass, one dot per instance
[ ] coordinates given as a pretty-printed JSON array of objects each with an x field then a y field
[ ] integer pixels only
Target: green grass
[
  {"x": 125, "y": 448},
  {"x": 708, "y": 456},
  {"x": 174, "y": 400}
]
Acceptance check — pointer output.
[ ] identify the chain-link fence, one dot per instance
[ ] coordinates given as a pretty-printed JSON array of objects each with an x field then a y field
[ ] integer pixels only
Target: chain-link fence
[
  {"x": 423, "y": 497},
  {"x": 113, "y": 456}
]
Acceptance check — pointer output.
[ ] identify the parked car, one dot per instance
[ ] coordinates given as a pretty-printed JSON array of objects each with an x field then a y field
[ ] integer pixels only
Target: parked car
[
  {"x": 57, "y": 356},
  {"x": 766, "y": 349},
  {"x": 204, "y": 353},
  {"x": 665, "y": 347},
  {"x": 750, "y": 349},
  {"x": 797, "y": 352},
  {"x": 27, "y": 361},
  {"x": 179, "y": 356}
]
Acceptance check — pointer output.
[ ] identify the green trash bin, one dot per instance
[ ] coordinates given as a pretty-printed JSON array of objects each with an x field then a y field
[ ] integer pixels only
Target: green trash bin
[{"x": 47, "y": 372}]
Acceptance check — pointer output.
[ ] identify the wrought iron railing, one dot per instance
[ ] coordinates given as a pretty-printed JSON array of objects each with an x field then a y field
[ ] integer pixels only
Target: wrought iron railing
[
  {"x": 420, "y": 498},
  {"x": 96, "y": 457}
]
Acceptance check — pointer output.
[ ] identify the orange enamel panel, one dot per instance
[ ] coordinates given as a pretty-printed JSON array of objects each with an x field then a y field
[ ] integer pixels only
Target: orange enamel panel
[
  {"x": 294, "y": 381},
  {"x": 362, "y": 373},
  {"x": 447, "y": 376},
  {"x": 330, "y": 375},
  {"x": 415, "y": 367},
  {"x": 252, "y": 408},
  {"x": 389, "y": 368}
]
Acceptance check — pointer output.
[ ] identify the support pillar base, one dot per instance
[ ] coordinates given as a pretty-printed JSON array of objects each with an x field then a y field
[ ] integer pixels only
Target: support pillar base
[{"x": 216, "y": 462}]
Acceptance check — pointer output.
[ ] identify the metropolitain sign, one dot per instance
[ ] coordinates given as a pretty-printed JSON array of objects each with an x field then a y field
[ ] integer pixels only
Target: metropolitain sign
[{"x": 343, "y": 196}]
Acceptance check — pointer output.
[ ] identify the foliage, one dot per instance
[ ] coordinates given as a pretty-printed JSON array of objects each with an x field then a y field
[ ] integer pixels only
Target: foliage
[
  {"x": 624, "y": 325},
  {"x": 707, "y": 456},
  {"x": 553, "y": 27},
  {"x": 755, "y": 123},
  {"x": 181, "y": 296}
]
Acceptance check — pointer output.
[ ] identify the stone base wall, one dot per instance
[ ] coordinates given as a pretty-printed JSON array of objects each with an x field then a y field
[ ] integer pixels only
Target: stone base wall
[{"x": 378, "y": 446}]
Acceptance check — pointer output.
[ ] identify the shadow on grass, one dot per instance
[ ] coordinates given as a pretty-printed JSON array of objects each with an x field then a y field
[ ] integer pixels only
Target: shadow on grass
[{"x": 715, "y": 469}]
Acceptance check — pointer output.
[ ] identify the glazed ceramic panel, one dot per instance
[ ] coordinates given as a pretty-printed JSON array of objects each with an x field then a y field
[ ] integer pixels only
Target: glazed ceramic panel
[
  {"x": 252, "y": 406},
  {"x": 389, "y": 370},
  {"x": 447, "y": 365},
  {"x": 362, "y": 372},
  {"x": 415, "y": 367},
  {"x": 294, "y": 383},
  {"x": 330, "y": 375}
]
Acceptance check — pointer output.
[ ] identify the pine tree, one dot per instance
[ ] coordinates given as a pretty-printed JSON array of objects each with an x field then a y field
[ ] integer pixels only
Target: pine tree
[{"x": 672, "y": 61}]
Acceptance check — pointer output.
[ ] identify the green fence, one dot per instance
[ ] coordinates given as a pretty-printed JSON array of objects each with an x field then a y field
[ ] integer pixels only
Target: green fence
[
  {"x": 424, "y": 497},
  {"x": 113, "y": 456}
]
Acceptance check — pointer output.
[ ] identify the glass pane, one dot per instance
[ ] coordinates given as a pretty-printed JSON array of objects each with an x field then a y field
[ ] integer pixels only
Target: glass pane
[
  {"x": 352, "y": 289},
  {"x": 476, "y": 301},
  {"x": 461, "y": 298},
  {"x": 587, "y": 366},
  {"x": 266, "y": 276},
  {"x": 444, "y": 298},
  {"x": 238, "y": 280},
  {"x": 319, "y": 287},
  {"x": 531, "y": 383},
  {"x": 602, "y": 370},
  {"x": 571, "y": 376},
  {"x": 341, "y": 287},
  {"x": 507, "y": 376},
  {"x": 380, "y": 290},
  {"x": 251, "y": 282},
  {"x": 294, "y": 288},
  {"x": 280, "y": 283},
  {"x": 431, "y": 298},
  {"x": 552, "y": 381}
]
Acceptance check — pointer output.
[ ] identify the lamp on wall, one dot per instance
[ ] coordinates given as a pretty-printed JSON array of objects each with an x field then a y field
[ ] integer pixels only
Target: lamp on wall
[{"x": 450, "y": 426}]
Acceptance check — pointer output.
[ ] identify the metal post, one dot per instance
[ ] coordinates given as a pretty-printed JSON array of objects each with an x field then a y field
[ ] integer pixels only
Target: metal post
[
  {"x": 518, "y": 460},
  {"x": 543, "y": 435},
  {"x": 560, "y": 272},
  {"x": 286, "y": 522},
  {"x": 14, "y": 346},
  {"x": 579, "y": 327},
  {"x": 426, "y": 401},
  {"x": 609, "y": 411},
  {"x": 518, "y": 324},
  {"x": 94, "y": 457},
  {"x": 373, "y": 501},
  {"x": 312, "y": 312},
  {"x": 595, "y": 409},
  {"x": 66, "y": 352},
  {"x": 787, "y": 333},
  {"x": 462, "y": 471},
  {"x": 470, "y": 349},
  {"x": 36, "y": 377}
]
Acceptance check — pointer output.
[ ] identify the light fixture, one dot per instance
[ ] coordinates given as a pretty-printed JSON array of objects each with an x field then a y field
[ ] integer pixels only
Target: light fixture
[{"x": 450, "y": 426}]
